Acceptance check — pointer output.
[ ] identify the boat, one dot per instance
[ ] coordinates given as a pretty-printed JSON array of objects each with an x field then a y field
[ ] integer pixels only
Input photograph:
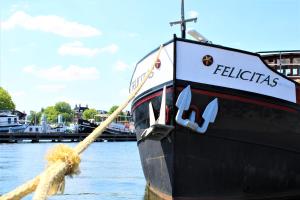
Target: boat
[
  {"x": 214, "y": 122},
  {"x": 85, "y": 126},
  {"x": 120, "y": 128},
  {"x": 121, "y": 125},
  {"x": 9, "y": 122},
  {"x": 44, "y": 127}
]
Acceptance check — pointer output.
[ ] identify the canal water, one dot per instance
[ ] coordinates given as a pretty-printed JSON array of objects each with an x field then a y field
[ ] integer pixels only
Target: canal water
[{"x": 109, "y": 170}]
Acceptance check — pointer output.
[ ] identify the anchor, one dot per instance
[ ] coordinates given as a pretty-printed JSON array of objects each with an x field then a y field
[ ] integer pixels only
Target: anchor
[
  {"x": 183, "y": 104},
  {"x": 158, "y": 128}
]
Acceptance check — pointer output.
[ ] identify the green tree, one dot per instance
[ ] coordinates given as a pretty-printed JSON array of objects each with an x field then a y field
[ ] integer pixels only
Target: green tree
[
  {"x": 6, "y": 102},
  {"x": 89, "y": 114},
  {"x": 65, "y": 110},
  {"x": 60, "y": 108},
  {"x": 112, "y": 109},
  {"x": 51, "y": 114},
  {"x": 34, "y": 117},
  {"x": 63, "y": 107}
]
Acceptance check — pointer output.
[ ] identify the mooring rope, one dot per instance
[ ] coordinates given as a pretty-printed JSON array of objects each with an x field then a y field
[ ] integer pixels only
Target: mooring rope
[{"x": 63, "y": 160}]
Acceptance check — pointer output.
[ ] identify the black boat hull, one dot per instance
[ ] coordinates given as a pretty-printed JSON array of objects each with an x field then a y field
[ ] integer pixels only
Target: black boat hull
[{"x": 251, "y": 151}]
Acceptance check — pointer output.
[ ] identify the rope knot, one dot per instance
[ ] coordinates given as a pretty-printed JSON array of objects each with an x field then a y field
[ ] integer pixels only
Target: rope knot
[{"x": 64, "y": 153}]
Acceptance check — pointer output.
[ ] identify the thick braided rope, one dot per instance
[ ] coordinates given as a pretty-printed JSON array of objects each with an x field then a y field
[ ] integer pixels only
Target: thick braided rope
[
  {"x": 57, "y": 157},
  {"x": 58, "y": 170},
  {"x": 42, "y": 190},
  {"x": 22, "y": 190},
  {"x": 98, "y": 131},
  {"x": 55, "y": 173}
]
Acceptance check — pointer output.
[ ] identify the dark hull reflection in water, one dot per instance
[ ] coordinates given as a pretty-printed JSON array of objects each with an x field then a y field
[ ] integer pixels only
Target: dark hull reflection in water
[{"x": 151, "y": 195}]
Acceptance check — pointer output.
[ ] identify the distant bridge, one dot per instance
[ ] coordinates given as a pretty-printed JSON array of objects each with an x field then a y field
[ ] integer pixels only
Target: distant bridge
[{"x": 61, "y": 137}]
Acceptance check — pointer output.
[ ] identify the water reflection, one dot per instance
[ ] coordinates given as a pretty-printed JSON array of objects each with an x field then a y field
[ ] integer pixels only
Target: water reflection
[{"x": 150, "y": 195}]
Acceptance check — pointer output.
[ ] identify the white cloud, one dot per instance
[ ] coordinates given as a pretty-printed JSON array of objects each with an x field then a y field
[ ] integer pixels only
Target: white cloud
[
  {"x": 29, "y": 69},
  {"x": 60, "y": 73},
  {"x": 77, "y": 49},
  {"x": 192, "y": 14},
  {"x": 51, "y": 88},
  {"x": 50, "y": 23},
  {"x": 18, "y": 94},
  {"x": 121, "y": 66},
  {"x": 113, "y": 48}
]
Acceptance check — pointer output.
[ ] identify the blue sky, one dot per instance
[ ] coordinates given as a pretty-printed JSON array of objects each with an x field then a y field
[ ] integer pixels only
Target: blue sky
[{"x": 84, "y": 52}]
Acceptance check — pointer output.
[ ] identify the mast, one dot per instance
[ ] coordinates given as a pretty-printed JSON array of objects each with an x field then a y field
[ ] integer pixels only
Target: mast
[
  {"x": 183, "y": 26},
  {"x": 183, "y": 21}
]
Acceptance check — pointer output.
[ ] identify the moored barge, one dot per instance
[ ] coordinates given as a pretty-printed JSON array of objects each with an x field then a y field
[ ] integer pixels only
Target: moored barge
[{"x": 215, "y": 122}]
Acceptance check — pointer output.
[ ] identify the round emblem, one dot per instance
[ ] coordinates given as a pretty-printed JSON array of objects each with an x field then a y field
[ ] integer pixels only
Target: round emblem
[
  {"x": 157, "y": 64},
  {"x": 207, "y": 60}
]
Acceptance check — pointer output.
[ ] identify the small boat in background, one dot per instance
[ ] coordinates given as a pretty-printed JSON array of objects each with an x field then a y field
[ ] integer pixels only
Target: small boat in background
[
  {"x": 84, "y": 126},
  {"x": 44, "y": 127},
  {"x": 10, "y": 122},
  {"x": 123, "y": 124}
]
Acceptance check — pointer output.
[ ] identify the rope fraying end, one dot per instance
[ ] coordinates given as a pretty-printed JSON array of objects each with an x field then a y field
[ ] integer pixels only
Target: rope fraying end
[{"x": 64, "y": 153}]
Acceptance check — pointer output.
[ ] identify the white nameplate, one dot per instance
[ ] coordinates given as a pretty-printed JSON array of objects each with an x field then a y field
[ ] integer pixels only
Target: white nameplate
[{"x": 230, "y": 69}]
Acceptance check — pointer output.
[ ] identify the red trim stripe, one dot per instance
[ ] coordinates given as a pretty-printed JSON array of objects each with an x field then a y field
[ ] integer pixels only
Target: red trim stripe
[
  {"x": 245, "y": 100},
  {"x": 297, "y": 94},
  {"x": 147, "y": 98},
  {"x": 221, "y": 95}
]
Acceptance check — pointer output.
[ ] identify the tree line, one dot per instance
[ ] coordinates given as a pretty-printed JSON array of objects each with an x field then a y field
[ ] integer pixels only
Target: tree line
[{"x": 51, "y": 112}]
